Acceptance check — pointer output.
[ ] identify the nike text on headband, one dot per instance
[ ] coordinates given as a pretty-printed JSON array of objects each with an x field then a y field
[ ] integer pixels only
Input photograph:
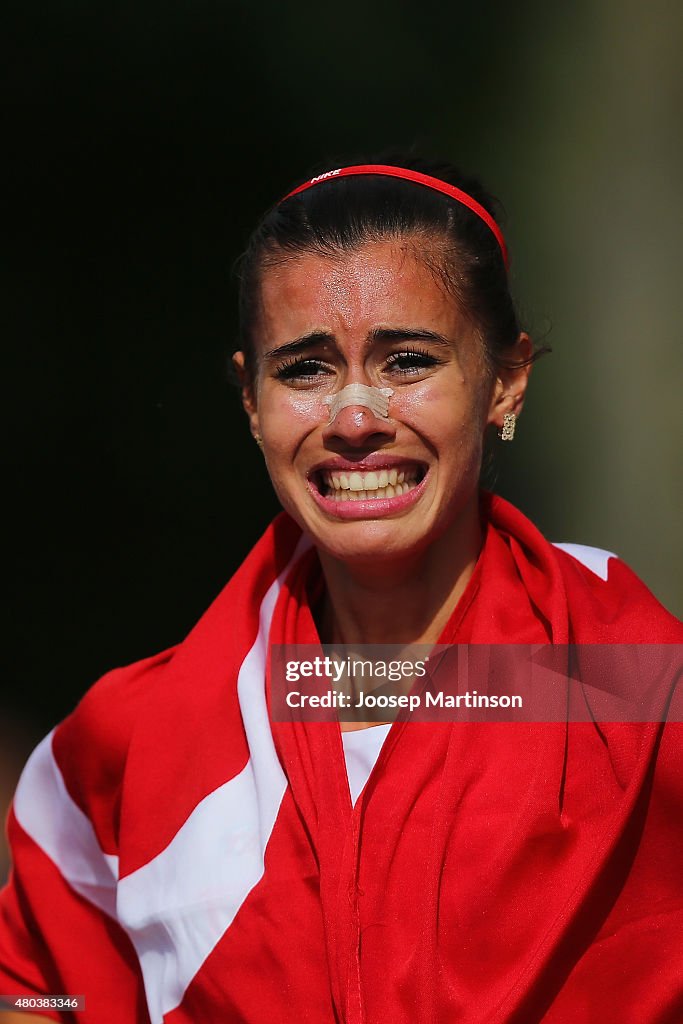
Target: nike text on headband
[{"x": 389, "y": 171}]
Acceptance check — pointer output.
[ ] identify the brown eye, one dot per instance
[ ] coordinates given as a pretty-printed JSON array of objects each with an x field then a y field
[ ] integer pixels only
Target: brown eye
[
  {"x": 411, "y": 361},
  {"x": 301, "y": 368}
]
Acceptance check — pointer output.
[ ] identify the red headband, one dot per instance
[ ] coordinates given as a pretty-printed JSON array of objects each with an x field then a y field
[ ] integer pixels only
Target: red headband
[{"x": 421, "y": 179}]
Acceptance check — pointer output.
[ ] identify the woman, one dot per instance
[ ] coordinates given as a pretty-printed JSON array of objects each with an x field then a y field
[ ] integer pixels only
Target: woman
[{"x": 182, "y": 855}]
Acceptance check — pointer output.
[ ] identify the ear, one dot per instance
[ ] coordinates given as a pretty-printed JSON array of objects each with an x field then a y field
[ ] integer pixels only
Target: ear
[
  {"x": 248, "y": 393},
  {"x": 510, "y": 385}
]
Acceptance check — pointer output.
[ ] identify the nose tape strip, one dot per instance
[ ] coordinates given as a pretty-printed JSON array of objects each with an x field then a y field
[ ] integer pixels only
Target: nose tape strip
[{"x": 375, "y": 399}]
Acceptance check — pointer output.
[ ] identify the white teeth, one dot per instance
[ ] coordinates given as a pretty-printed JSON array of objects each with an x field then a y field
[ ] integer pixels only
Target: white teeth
[
  {"x": 380, "y": 492},
  {"x": 368, "y": 486}
]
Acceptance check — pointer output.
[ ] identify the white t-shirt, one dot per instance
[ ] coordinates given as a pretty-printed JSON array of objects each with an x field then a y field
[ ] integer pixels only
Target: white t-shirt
[{"x": 361, "y": 750}]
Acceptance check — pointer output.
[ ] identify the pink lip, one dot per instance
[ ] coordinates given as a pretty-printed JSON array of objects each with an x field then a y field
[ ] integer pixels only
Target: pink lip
[
  {"x": 375, "y": 508},
  {"x": 377, "y": 460}
]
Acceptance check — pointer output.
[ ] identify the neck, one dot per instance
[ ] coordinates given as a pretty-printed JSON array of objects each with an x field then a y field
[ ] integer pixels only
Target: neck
[{"x": 405, "y": 601}]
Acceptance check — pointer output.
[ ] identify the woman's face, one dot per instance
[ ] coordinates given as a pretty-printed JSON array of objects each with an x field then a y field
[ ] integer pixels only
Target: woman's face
[{"x": 365, "y": 487}]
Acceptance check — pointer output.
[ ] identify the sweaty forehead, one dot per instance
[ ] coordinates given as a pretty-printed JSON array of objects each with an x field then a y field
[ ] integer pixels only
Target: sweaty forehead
[{"x": 380, "y": 283}]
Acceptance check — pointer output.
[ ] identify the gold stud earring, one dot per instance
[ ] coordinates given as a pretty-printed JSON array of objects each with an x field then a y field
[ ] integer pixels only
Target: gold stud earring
[
  {"x": 258, "y": 439},
  {"x": 508, "y": 429}
]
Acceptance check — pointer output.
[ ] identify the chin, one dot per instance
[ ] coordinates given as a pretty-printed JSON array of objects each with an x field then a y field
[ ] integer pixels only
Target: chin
[{"x": 370, "y": 541}]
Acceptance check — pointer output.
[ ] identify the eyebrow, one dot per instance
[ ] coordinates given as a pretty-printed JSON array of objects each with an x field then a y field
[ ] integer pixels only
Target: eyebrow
[
  {"x": 378, "y": 334},
  {"x": 291, "y": 348},
  {"x": 408, "y": 334}
]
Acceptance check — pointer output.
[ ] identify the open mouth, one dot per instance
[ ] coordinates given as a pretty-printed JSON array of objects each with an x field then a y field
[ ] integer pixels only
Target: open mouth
[{"x": 368, "y": 486}]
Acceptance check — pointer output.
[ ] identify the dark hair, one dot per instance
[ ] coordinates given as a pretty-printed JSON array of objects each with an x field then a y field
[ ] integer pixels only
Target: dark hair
[{"x": 339, "y": 215}]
